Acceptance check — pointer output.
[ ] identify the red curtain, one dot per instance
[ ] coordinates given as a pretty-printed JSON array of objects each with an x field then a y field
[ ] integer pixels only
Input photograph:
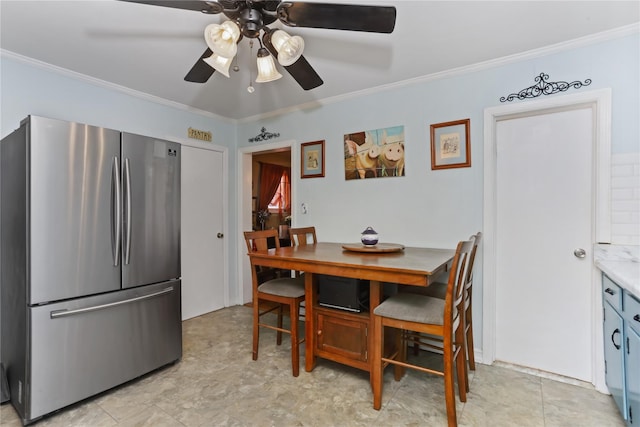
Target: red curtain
[
  {"x": 282, "y": 197},
  {"x": 270, "y": 176},
  {"x": 286, "y": 190}
]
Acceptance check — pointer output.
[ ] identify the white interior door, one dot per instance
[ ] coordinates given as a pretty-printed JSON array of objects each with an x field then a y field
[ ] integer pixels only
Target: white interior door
[
  {"x": 203, "y": 266},
  {"x": 544, "y": 195}
]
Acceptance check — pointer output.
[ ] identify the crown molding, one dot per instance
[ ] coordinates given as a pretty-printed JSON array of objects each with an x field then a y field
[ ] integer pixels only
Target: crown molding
[
  {"x": 480, "y": 66},
  {"x": 108, "y": 85}
]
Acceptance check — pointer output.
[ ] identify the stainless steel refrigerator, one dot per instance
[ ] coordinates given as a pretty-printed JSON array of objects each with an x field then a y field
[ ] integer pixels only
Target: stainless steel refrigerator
[{"x": 90, "y": 273}]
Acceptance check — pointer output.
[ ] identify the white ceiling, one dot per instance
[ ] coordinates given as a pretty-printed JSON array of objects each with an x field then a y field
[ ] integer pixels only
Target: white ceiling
[{"x": 150, "y": 48}]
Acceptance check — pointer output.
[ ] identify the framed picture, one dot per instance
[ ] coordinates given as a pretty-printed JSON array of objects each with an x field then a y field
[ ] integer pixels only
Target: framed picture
[
  {"x": 375, "y": 153},
  {"x": 312, "y": 159},
  {"x": 450, "y": 145}
]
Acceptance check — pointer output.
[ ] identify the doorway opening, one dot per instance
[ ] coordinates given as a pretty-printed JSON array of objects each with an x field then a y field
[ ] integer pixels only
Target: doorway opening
[
  {"x": 271, "y": 198},
  {"x": 246, "y": 207}
]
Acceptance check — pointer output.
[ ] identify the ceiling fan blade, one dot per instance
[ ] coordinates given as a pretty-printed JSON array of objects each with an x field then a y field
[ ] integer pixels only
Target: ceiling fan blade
[
  {"x": 201, "y": 71},
  {"x": 304, "y": 74},
  {"x": 374, "y": 19},
  {"x": 301, "y": 70},
  {"x": 209, "y": 7}
]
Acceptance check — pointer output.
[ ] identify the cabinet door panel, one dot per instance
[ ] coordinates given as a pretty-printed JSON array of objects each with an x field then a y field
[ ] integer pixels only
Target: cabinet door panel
[
  {"x": 614, "y": 356},
  {"x": 633, "y": 376},
  {"x": 341, "y": 336}
]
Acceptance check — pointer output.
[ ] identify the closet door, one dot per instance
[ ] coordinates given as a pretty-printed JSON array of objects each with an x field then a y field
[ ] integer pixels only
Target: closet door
[
  {"x": 544, "y": 239},
  {"x": 203, "y": 249}
]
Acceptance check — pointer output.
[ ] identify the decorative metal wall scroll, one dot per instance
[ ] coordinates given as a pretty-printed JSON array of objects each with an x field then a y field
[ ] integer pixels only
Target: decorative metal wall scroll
[
  {"x": 542, "y": 87},
  {"x": 264, "y": 135}
]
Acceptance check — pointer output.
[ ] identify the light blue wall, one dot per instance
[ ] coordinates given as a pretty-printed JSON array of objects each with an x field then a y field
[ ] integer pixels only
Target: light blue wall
[
  {"x": 438, "y": 208},
  {"x": 27, "y": 89}
]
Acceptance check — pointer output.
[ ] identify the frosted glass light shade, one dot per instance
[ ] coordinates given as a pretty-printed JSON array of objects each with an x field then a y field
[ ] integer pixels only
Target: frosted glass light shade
[
  {"x": 219, "y": 63},
  {"x": 267, "y": 71},
  {"x": 223, "y": 38},
  {"x": 289, "y": 48}
]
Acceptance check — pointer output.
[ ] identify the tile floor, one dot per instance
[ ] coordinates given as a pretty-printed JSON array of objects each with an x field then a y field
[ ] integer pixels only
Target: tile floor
[{"x": 217, "y": 384}]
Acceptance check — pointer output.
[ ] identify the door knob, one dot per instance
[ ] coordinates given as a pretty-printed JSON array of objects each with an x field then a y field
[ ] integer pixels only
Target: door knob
[
  {"x": 220, "y": 235},
  {"x": 580, "y": 253}
]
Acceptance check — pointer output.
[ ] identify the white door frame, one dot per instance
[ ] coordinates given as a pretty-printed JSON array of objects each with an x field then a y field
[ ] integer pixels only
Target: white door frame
[
  {"x": 600, "y": 102},
  {"x": 244, "y": 206}
]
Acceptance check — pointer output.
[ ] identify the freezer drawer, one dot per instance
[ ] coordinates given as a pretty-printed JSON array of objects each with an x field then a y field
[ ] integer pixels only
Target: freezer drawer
[{"x": 83, "y": 347}]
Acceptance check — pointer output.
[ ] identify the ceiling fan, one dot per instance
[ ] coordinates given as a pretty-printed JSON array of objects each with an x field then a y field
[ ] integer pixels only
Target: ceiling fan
[{"x": 251, "y": 18}]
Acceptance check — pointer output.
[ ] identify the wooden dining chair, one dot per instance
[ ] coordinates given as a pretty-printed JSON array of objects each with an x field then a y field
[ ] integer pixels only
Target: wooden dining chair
[
  {"x": 302, "y": 236},
  {"x": 439, "y": 290},
  {"x": 441, "y": 318},
  {"x": 468, "y": 304},
  {"x": 283, "y": 291}
]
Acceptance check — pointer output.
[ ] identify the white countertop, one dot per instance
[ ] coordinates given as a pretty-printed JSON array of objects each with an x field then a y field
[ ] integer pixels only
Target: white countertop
[{"x": 621, "y": 264}]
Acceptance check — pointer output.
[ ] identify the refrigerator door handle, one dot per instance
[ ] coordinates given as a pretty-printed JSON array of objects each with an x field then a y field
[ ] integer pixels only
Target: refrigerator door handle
[
  {"x": 64, "y": 313},
  {"x": 127, "y": 196},
  {"x": 115, "y": 211}
]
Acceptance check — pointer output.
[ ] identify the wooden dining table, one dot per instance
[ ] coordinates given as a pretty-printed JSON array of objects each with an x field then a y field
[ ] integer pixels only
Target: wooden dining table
[{"x": 408, "y": 266}]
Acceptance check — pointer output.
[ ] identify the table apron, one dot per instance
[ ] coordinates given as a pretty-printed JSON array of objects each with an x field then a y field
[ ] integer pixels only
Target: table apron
[{"x": 354, "y": 272}]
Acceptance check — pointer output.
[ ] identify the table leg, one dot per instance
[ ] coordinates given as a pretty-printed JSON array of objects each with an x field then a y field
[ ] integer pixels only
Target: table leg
[
  {"x": 375, "y": 297},
  {"x": 310, "y": 300}
]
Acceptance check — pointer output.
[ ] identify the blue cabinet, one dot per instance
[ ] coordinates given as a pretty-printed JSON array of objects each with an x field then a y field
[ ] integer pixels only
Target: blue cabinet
[
  {"x": 614, "y": 356},
  {"x": 613, "y": 329},
  {"x": 622, "y": 348},
  {"x": 632, "y": 331}
]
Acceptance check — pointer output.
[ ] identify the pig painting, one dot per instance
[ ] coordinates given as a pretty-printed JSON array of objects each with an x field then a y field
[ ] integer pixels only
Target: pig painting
[
  {"x": 365, "y": 155},
  {"x": 391, "y": 158},
  {"x": 374, "y": 153}
]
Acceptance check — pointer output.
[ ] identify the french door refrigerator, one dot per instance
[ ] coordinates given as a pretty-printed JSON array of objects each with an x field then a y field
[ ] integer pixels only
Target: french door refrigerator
[{"x": 90, "y": 290}]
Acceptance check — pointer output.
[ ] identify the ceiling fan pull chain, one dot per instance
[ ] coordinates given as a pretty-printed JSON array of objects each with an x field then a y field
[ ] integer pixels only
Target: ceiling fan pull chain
[
  {"x": 250, "y": 88},
  {"x": 236, "y": 68}
]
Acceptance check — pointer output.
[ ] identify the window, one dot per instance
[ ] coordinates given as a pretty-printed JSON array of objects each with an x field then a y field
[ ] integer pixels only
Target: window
[{"x": 281, "y": 200}]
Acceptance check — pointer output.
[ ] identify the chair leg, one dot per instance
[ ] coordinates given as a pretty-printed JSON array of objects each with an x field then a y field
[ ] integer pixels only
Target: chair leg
[
  {"x": 461, "y": 362},
  {"x": 279, "y": 333},
  {"x": 465, "y": 373},
  {"x": 470, "y": 352},
  {"x": 401, "y": 346},
  {"x": 463, "y": 380},
  {"x": 295, "y": 344},
  {"x": 256, "y": 329},
  {"x": 449, "y": 388}
]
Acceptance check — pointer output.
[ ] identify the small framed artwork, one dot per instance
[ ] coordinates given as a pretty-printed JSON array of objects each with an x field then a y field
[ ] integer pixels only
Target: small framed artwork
[
  {"x": 450, "y": 145},
  {"x": 312, "y": 159}
]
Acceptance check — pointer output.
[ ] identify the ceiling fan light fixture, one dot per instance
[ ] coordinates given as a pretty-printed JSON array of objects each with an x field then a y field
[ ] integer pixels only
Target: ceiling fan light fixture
[
  {"x": 289, "y": 47},
  {"x": 219, "y": 63},
  {"x": 223, "y": 38},
  {"x": 267, "y": 71}
]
